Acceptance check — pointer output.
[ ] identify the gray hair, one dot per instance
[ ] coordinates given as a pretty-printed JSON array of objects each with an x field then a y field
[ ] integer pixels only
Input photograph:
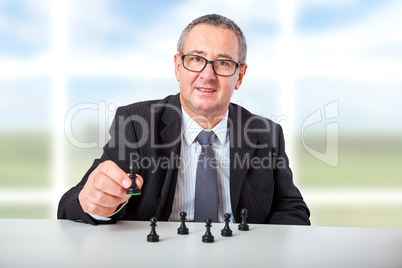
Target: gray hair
[{"x": 218, "y": 21}]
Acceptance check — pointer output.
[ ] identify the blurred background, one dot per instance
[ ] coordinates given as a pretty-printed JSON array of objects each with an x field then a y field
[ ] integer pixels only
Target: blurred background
[{"x": 328, "y": 71}]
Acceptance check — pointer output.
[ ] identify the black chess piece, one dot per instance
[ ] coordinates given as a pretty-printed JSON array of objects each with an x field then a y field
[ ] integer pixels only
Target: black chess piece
[
  {"x": 133, "y": 190},
  {"x": 208, "y": 237},
  {"x": 153, "y": 236},
  {"x": 183, "y": 228},
  {"x": 243, "y": 226},
  {"x": 226, "y": 230}
]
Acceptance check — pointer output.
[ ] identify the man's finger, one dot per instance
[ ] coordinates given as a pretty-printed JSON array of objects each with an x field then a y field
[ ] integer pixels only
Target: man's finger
[
  {"x": 104, "y": 199},
  {"x": 139, "y": 181},
  {"x": 114, "y": 172},
  {"x": 107, "y": 185}
]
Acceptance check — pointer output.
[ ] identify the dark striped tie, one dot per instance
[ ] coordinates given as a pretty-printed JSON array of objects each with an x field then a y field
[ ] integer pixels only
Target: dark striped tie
[{"x": 206, "y": 185}]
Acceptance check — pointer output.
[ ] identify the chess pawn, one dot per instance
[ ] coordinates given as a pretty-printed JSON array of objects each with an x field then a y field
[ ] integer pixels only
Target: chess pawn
[
  {"x": 243, "y": 226},
  {"x": 133, "y": 190},
  {"x": 183, "y": 228},
  {"x": 208, "y": 237},
  {"x": 153, "y": 236},
  {"x": 226, "y": 230}
]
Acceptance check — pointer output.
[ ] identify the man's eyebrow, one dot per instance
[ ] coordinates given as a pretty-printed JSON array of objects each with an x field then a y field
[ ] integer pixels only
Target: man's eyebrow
[
  {"x": 220, "y": 56},
  {"x": 225, "y": 56},
  {"x": 197, "y": 52}
]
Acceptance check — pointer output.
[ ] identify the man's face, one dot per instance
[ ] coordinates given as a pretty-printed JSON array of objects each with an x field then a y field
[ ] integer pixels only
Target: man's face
[{"x": 205, "y": 93}]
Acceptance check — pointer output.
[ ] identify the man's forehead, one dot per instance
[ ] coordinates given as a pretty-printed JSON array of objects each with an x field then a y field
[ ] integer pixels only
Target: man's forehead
[{"x": 194, "y": 45}]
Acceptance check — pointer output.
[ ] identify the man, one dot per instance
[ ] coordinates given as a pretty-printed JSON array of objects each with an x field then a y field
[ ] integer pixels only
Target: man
[{"x": 161, "y": 138}]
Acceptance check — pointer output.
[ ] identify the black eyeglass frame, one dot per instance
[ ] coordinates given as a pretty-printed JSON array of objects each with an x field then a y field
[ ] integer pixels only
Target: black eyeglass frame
[{"x": 212, "y": 62}]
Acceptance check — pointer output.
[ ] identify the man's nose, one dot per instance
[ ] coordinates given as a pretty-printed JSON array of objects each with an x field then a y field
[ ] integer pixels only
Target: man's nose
[{"x": 208, "y": 72}]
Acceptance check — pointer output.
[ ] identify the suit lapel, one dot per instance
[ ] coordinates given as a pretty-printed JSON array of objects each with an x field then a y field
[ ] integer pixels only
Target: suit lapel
[
  {"x": 240, "y": 151},
  {"x": 170, "y": 136},
  {"x": 171, "y": 118}
]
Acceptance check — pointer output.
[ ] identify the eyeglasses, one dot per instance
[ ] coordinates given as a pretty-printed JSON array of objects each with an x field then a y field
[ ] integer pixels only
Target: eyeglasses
[{"x": 197, "y": 63}]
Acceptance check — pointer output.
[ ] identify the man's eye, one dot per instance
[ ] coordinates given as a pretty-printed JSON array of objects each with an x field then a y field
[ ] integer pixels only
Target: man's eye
[
  {"x": 196, "y": 59},
  {"x": 223, "y": 63}
]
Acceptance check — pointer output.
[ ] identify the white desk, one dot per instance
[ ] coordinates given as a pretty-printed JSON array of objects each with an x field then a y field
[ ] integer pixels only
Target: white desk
[{"x": 53, "y": 243}]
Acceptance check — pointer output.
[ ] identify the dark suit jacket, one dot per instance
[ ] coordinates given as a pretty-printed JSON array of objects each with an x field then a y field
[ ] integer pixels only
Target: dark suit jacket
[{"x": 148, "y": 132}]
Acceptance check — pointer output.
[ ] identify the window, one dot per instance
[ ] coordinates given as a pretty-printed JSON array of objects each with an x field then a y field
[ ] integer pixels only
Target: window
[{"x": 333, "y": 82}]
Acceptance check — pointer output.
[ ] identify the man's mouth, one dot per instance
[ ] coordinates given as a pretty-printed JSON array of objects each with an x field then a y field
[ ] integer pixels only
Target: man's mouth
[{"x": 205, "y": 89}]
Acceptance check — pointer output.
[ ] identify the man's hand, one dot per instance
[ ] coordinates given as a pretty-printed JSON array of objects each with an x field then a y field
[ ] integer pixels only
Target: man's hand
[{"x": 105, "y": 189}]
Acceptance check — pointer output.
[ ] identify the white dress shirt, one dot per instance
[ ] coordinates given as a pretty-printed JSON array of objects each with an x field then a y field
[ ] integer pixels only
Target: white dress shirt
[{"x": 190, "y": 151}]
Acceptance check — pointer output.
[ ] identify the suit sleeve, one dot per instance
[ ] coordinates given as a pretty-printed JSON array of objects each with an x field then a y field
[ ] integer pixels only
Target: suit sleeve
[{"x": 288, "y": 205}]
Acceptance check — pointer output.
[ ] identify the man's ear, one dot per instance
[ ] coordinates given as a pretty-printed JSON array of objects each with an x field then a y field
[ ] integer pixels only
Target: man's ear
[
  {"x": 177, "y": 64},
  {"x": 242, "y": 73}
]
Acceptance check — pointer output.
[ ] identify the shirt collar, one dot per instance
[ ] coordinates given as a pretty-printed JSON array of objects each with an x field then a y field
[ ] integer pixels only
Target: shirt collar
[{"x": 191, "y": 129}]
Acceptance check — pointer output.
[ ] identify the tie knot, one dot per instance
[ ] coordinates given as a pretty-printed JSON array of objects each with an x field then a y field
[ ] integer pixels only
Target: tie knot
[{"x": 206, "y": 137}]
